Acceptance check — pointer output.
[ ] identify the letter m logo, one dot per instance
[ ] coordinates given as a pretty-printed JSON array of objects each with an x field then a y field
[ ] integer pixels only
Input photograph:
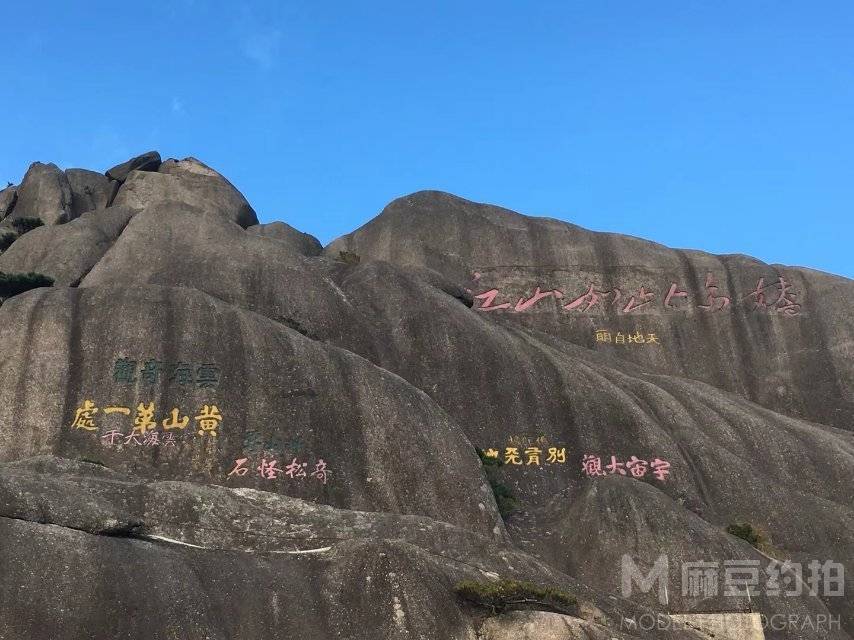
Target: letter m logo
[{"x": 632, "y": 575}]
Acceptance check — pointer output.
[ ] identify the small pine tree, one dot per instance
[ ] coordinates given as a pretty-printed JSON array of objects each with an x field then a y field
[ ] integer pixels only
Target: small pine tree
[{"x": 504, "y": 595}]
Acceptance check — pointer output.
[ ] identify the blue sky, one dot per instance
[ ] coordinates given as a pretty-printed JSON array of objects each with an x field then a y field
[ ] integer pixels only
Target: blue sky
[{"x": 723, "y": 126}]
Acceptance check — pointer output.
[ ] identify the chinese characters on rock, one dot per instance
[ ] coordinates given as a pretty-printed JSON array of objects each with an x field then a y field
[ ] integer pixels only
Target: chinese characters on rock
[
  {"x": 152, "y": 371},
  {"x": 603, "y": 335},
  {"x": 528, "y": 455},
  {"x": 270, "y": 469},
  {"x": 633, "y": 467},
  {"x": 145, "y": 423},
  {"x": 778, "y": 297}
]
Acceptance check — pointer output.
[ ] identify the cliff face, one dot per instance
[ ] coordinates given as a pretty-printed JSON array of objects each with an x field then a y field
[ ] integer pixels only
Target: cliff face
[{"x": 184, "y": 348}]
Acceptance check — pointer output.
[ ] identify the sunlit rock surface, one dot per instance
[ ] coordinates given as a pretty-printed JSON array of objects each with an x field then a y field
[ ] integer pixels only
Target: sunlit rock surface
[{"x": 212, "y": 428}]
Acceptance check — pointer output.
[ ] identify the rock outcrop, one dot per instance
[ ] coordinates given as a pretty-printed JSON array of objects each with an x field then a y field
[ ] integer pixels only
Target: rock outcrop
[
  {"x": 279, "y": 439},
  {"x": 44, "y": 193},
  {"x": 8, "y": 198}
]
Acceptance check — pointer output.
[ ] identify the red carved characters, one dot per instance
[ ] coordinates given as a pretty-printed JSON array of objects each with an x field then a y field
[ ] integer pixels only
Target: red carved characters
[{"x": 712, "y": 299}]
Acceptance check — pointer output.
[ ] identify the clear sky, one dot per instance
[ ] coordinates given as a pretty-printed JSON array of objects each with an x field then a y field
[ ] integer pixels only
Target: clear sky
[{"x": 723, "y": 126}]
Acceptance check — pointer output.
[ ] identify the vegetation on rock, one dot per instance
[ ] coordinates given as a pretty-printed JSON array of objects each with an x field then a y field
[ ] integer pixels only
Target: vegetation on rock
[
  {"x": 6, "y": 239},
  {"x": 349, "y": 257},
  {"x": 512, "y": 594},
  {"x": 488, "y": 461},
  {"x": 11, "y": 284},
  {"x": 504, "y": 498},
  {"x": 748, "y": 533},
  {"x": 24, "y": 225}
]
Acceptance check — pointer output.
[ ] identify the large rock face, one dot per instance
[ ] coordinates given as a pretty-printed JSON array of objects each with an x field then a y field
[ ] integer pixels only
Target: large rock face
[
  {"x": 89, "y": 190},
  {"x": 45, "y": 193},
  {"x": 786, "y": 347},
  {"x": 210, "y": 404}
]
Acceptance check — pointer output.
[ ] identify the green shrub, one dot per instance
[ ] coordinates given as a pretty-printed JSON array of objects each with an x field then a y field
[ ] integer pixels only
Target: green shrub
[
  {"x": 11, "y": 284},
  {"x": 488, "y": 461},
  {"x": 23, "y": 225},
  {"x": 504, "y": 498},
  {"x": 349, "y": 257},
  {"x": 513, "y": 594},
  {"x": 747, "y": 532},
  {"x": 6, "y": 239}
]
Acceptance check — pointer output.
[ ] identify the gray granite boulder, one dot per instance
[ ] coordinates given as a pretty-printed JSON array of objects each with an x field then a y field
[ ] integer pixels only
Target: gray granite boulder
[
  {"x": 149, "y": 161},
  {"x": 8, "y": 197},
  {"x": 66, "y": 253},
  {"x": 89, "y": 190},
  {"x": 44, "y": 193},
  {"x": 300, "y": 242},
  {"x": 212, "y": 193}
]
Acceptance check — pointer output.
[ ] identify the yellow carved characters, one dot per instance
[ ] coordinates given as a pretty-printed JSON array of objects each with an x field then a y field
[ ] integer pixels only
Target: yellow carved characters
[
  {"x": 208, "y": 421},
  {"x": 524, "y": 452},
  {"x": 603, "y": 335},
  {"x": 84, "y": 418}
]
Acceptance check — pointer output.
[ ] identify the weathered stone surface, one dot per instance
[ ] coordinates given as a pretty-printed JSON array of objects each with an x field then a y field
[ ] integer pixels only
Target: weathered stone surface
[
  {"x": 8, "y": 197},
  {"x": 318, "y": 401},
  {"x": 389, "y": 316},
  {"x": 188, "y": 165},
  {"x": 300, "y": 242},
  {"x": 799, "y": 365},
  {"x": 89, "y": 190},
  {"x": 404, "y": 566},
  {"x": 66, "y": 253},
  {"x": 149, "y": 161},
  {"x": 543, "y": 625},
  {"x": 44, "y": 193},
  {"x": 634, "y": 519},
  {"x": 213, "y": 194},
  {"x": 386, "y": 369}
]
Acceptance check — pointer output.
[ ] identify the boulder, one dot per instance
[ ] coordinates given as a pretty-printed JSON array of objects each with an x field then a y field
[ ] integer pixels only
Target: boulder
[
  {"x": 149, "y": 161},
  {"x": 68, "y": 252},
  {"x": 44, "y": 193},
  {"x": 209, "y": 193},
  {"x": 8, "y": 197},
  {"x": 300, "y": 242},
  {"x": 89, "y": 190},
  {"x": 188, "y": 165}
]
